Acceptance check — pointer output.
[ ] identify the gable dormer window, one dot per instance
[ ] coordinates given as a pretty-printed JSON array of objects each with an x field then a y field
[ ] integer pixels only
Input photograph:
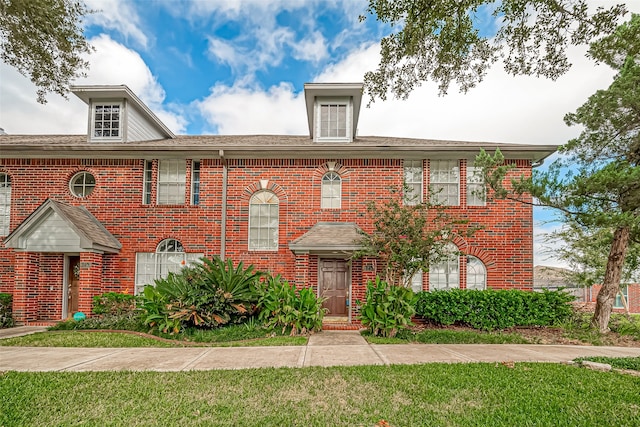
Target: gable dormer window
[
  {"x": 333, "y": 121},
  {"x": 107, "y": 121}
]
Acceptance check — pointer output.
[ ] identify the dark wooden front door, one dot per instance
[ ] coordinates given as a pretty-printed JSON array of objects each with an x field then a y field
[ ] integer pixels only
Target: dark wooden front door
[
  {"x": 74, "y": 285},
  {"x": 334, "y": 285}
]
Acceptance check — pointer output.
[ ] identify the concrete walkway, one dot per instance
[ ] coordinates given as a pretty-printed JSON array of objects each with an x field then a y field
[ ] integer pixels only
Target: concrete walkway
[{"x": 328, "y": 348}]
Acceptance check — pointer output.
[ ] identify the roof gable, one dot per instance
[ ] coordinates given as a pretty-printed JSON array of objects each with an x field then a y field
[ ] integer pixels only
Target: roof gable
[{"x": 58, "y": 227}]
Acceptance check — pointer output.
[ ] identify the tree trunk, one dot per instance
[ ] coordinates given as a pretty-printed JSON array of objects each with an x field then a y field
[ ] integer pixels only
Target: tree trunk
[{"x": 611, "y": 283}]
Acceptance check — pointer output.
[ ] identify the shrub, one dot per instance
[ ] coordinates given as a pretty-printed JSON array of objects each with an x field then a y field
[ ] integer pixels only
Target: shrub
[
  {"x": 494, "y": 309},
  {"x": 131, "y": 321},
  {"x": 206, "y": 295},
  {"x": 387, "y": 308},
  {"x": 282, "y": 305},
  {"x": 113, "y": 303},
  {"x": 6, "y": 316}
]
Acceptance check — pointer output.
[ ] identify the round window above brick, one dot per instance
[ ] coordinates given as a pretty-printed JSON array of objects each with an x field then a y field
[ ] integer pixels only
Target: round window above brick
[{"x": 82, "y": 184}]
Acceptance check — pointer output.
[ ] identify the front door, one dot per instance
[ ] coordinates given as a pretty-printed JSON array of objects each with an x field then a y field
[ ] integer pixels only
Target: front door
[
  {"x": 334, "y": 286},
  {"x": 73, "y": 276}
]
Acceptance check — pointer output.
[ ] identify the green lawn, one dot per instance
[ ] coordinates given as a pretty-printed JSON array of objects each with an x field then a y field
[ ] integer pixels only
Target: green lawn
[
  {"x": 446, "y": 336},
  {"x": 115, "y": 339},
  {"x": 531, "y": 394}
]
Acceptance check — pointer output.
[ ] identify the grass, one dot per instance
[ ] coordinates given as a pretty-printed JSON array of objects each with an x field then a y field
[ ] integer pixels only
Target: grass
[
  {"x": 448, "y": 336},
  {"x": 632, "y": 363},
  {"x": 433, "y": 394},
  {"x": 115, "y": 339}
]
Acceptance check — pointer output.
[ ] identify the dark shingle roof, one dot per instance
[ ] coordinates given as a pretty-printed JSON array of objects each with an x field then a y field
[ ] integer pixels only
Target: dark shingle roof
[
  {"x": 329, "y": 236},
  {"x": 254, "y": 146}
]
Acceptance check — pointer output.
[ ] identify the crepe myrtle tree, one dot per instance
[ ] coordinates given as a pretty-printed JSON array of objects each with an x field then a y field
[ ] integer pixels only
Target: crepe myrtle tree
[
  {"x": 449, "y": 41},
  {"x": 44, "y": 41},
  {"x": 596, "y": 182},
  {"x": 409, "y": 235}
]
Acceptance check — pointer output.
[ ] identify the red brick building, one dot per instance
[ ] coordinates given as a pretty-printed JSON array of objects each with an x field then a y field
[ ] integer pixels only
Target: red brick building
[{"x": 130, "y": 201}]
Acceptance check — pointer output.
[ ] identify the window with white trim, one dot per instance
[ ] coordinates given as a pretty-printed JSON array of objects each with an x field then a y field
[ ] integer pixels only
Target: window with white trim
[
  {"x": 618, "y": 303},
  {"x": 333, "y": 120},
  {"x": 331, "y": 191},
  {"x": 169, "y": 257},
  {"x": 195, "y": 183},
  {"x": 412, "y": 182},
  {"x": 476, "y": 274},
  {"x": 445, "y": 274},
  {"x": 444, "y": 182},
  {"x": 5, "y": 203},
  {"x": 263, "y": 221},
  {"x": 107, "y": 123},
  {"x": 82, "y": 184},
  {"x": 171, "y": 182},
  {"x": 147, "y": 182},
  {"x": 476, "y": 190}
]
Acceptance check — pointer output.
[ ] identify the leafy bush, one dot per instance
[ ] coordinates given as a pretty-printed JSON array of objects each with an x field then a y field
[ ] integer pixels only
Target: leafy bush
[
  {"x": 387, "y": 309},
  {"x": 282, "y": 305},
  {"x": 113, "y": 303},
  {"x": 494, "y": 309},
  {"x": 206, "y": 295},
  {"x": 131, "y": 321},
  {"x": 6, "y": 316}
]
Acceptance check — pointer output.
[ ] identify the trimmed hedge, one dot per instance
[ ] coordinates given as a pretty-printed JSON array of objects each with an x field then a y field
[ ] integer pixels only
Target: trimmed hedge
[
  {"x": 6, "y": 317},
  {"x": 494, "y": 309}
]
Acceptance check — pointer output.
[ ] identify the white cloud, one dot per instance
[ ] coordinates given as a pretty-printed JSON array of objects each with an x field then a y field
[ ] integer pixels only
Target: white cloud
[
  {"x": 243, "y": 110},
  {"x": 544, "y": 251},
  {"x": 312, "y": 48},
  {"x": 111, "y": 63},
  {"x": 119, "y": 15}
]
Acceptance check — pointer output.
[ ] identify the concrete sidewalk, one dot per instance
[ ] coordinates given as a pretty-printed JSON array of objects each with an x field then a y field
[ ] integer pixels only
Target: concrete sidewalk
[{"x": 328, "y": 348}]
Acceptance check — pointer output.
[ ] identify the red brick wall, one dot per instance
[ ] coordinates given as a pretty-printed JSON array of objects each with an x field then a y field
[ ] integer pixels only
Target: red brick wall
[
  {"x": 50, "y": 286},
  {"x": 504, "y": 244}
]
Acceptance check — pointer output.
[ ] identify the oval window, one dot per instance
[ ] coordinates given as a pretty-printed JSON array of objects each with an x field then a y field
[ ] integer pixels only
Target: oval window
[{"x": 82, "y": 184}]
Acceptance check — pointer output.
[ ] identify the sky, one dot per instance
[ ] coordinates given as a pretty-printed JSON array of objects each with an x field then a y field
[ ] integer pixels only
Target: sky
[{"x": 239, "y": 66}]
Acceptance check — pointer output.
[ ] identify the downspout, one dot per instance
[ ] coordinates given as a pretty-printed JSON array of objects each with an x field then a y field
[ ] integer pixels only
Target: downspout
[{"x": 223, "y": 218}]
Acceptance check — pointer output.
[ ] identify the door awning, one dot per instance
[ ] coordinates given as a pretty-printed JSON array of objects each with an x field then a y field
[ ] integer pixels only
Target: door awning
[
  {"x": 59, "y": 227},
  {"x": 329, "y": 237}
]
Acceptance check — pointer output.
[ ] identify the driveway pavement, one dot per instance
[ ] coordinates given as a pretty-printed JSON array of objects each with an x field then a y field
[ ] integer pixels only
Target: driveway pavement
[{"x": 328, "y": 348}]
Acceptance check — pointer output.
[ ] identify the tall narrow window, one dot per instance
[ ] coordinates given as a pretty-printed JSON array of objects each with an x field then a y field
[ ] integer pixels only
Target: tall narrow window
[
  {"x": 476, "y": 274},
  {"x": 445, "y": 274},
  {"x": 412, "y": 182},
  {"x": 106, "y": 121},
  {"x": 195, "y": 183},
  {"x": 331, "y": 191},
  {"x": 148, "y": 182},
  {"x": 475, "y": 187},
  {"x": 5, "y": 203},
  {"x": 263, "y": 221},
  {"x": 169, "y": 257},
  {"x": 445, "y": 182},
  {"x": 416, "y": 281},
  {"x": 333, "y": 121},
  {"x": 171, "y": 182}
]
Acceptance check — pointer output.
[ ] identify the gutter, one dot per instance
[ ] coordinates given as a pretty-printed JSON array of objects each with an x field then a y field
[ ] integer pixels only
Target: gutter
[{"x": 223, "y": 219}]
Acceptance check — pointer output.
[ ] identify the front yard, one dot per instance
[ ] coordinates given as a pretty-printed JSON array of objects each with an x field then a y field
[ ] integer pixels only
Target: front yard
[{"x": 434, "y": 394}]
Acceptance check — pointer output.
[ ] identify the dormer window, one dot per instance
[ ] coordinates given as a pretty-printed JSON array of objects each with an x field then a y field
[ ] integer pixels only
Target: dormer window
[
  {"x": 333, "y": 119},
  {"x": 107, "y": 123}
]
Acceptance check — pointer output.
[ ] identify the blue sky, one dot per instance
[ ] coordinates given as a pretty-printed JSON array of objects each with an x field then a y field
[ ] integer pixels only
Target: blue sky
[{"x": 238, "y": 67}]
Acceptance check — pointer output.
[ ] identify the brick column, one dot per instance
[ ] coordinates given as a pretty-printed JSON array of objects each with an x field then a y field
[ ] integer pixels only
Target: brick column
[
  {"x": 90, "y": 280},
  {"x": 302, "y": 270},
  {"x": 25, "y": 294}
]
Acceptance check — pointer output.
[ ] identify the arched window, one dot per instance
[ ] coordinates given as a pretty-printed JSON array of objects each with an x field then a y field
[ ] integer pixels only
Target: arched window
[
  {"x": 263, "y": 221},
  {"x": 5, "y": 203},
  {"x": 446, "y": 273},
  {"x": 169, "y": 257},
  {"x": 476, "y": 274},
  {"x": 331, "y": 191}
]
